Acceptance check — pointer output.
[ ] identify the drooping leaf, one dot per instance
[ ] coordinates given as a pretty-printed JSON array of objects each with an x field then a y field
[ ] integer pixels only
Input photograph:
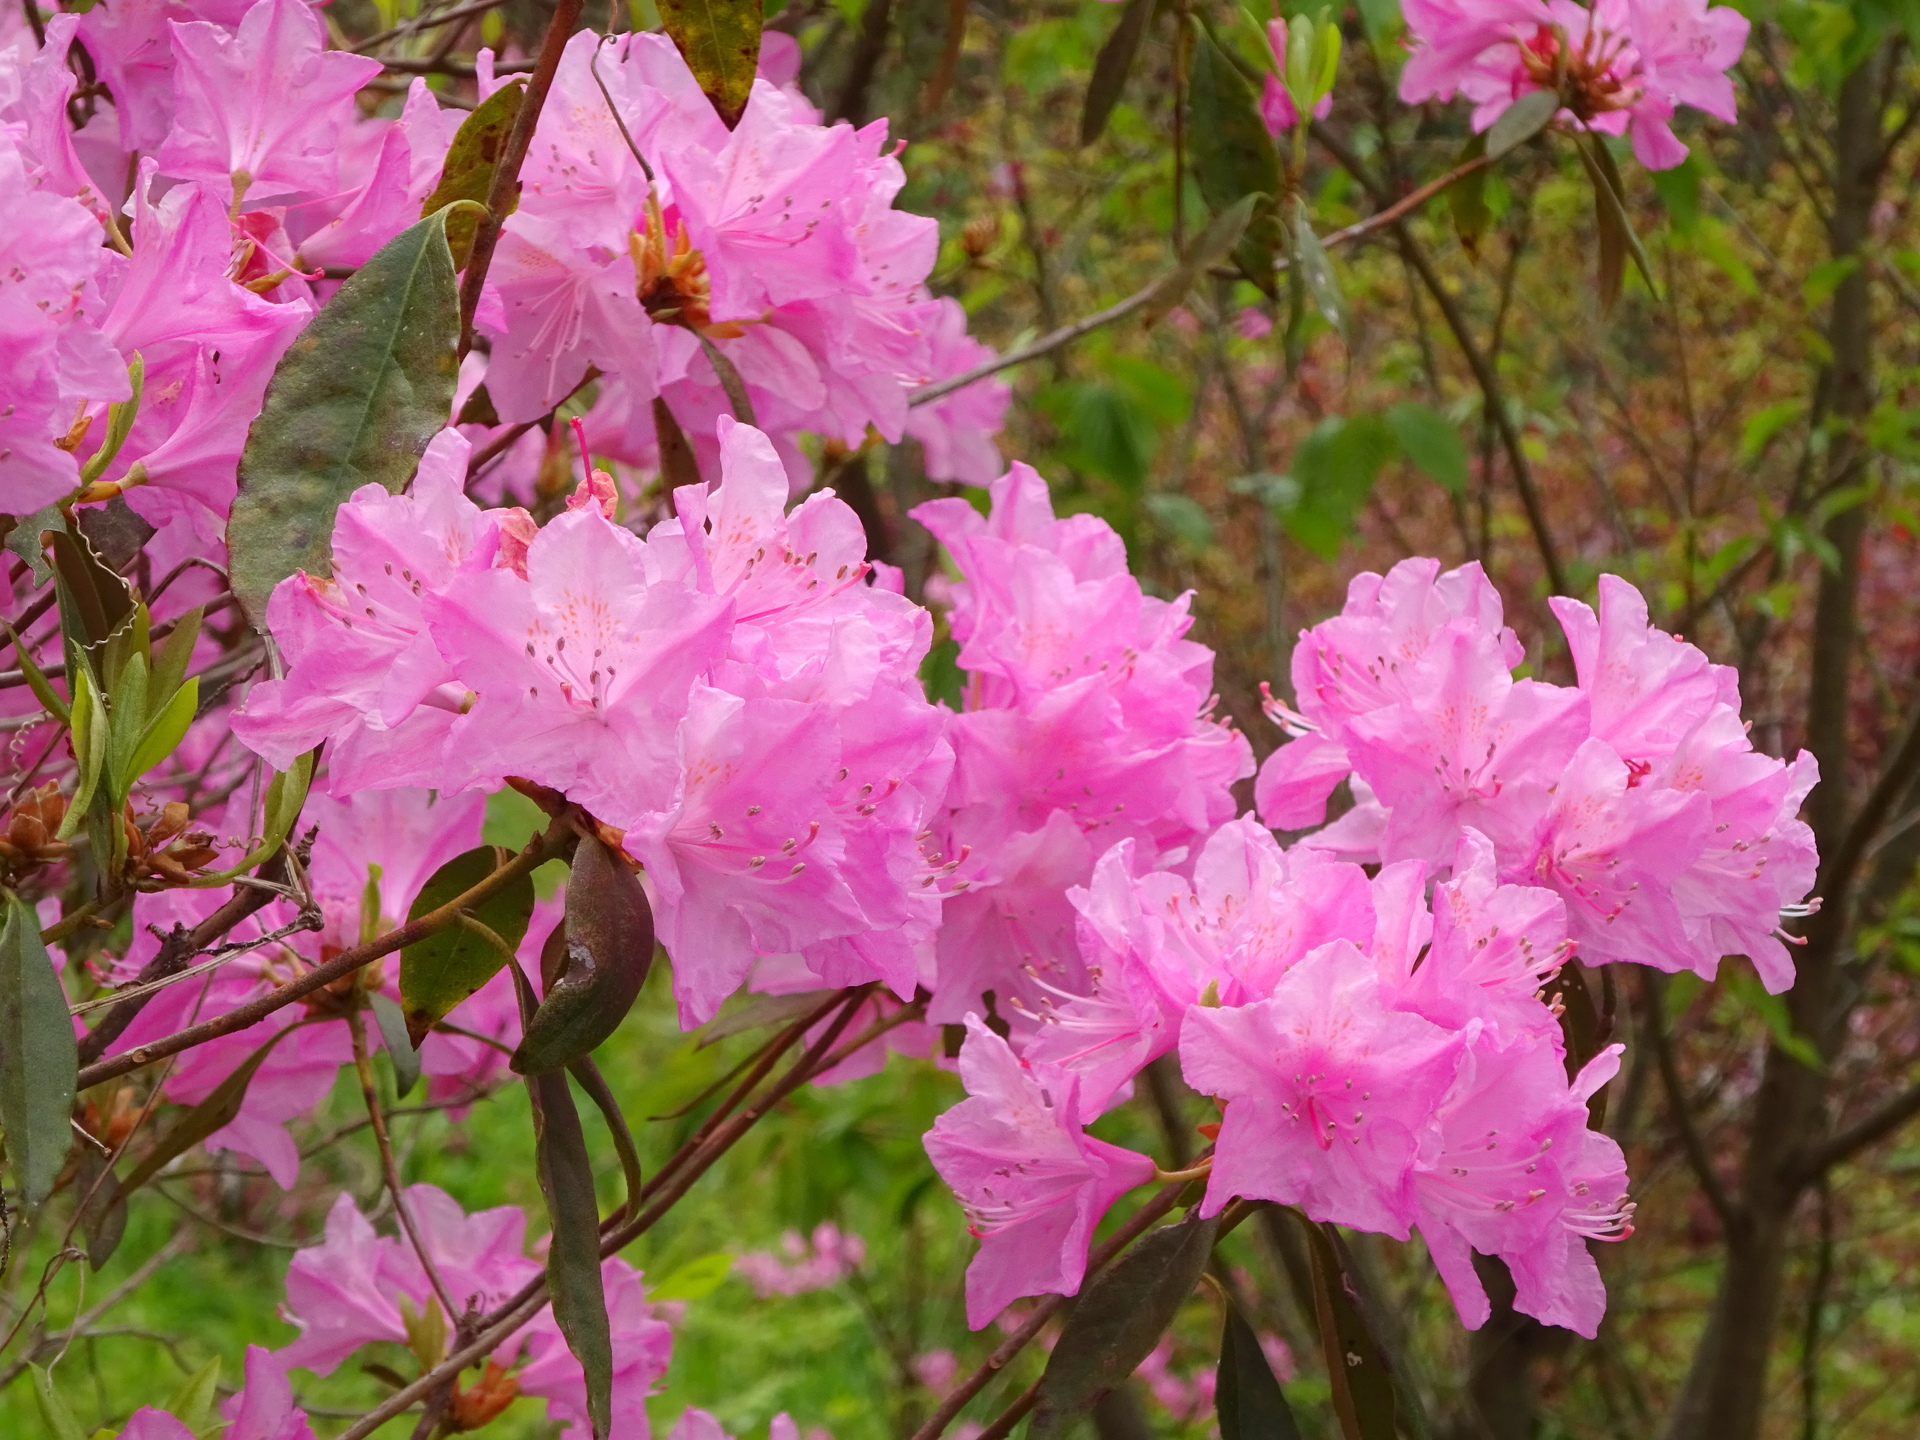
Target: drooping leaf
[
  {"x": 1521, "y": 121},
  {"x": 1467, "y": 197},
  {"x": 103, "y": 1209},
  {"x": 720, "y": 41},
  {"x": 587, "y": 1075},
  {"x": 471, "y": 161},
  {"x": 216, "y": 1112},
  {"x": 1232, "y": 154},
  {"x": 1362, "y": 1386},
  {"x": 1431, "y": 443},
  {"x": 1316, "y": 268},
  {"x": 1214, "y": 245},
  {"x": 355, "y": 399},
  {"x": 1112, "y": 66},
  {"x": 694, "y": 1280},
  {"x": 54, "y": 1412},
  {"x": 573, "y": 1260},
  {"x": 437, "y": 973},
  {"x": 609, "y": 948},
  {"x": 1247, "y": 1398},
  {"x": 393, "y": 1034},
  {"x": 1617, "y": 237},
  {"x": 1118, "y": 1319},
  {"x": 38, "y": 1057},
  {"x": 760, "y": 1012}
]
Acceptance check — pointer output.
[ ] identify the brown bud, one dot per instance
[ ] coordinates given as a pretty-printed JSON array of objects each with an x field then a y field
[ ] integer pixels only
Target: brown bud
[{"x": 472, "y": 1408}]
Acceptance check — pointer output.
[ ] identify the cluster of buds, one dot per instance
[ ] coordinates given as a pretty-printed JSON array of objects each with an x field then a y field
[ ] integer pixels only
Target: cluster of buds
[
  {"x": 167, "y": 851},
  {"x": 30, "y": 838},
  {"x": 672, "y": 278},
  {"x": 1586, "y": 75}
]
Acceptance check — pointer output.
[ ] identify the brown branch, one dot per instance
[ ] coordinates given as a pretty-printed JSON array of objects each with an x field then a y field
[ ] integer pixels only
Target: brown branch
[
  {"x": 539, "y": 850},
  {"x": 506, "y": 174},
  {"x": 1653, "y": 992},
  {"x": 1876, "y": 1125}
]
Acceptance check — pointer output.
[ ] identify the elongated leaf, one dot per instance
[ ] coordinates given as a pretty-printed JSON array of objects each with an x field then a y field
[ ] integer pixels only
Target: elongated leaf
[
  {"x": 1232, "y": 154},
  {"x": 1118, "y": 1319},
  {"x": 95, "y": 603},
  {"x": 1467, "y": 198},
  {"x": 437, "y": 973},
  {"x": 1521, "y": 121},
  {"x": 103, "y": 1211},
  {"x": 1617, "y": 237},
  {"x": 1362, "y": 1385},
  {"x": 720, "y": 41},
  {"x": 1112, "y": 66},
  {"x": 1213, "y": 245},
  {"x": 471, "y": 161},
  {"x": 192, "y": 1403},
  {"x": 170, "y": 661},
  {"x": 694, "y": 1280},
  {"x": 1317, "y": 269},
  {"x": 36, "y": 678},
  {"x": 393, "y": 1034},
  {"x": 166, "y": 730},
  {"x": 38, "y": 1057},
  {"x": 355, "y": 399},
  {"x": 216, "y": 1112},
  {"x": 1246, "y": 1397},
  {"x": 759, "y": 1013},
  {"x": 1431, "y": 442},
  {"x": 587, "y": 1075},
  {"x": 53, "y": 1410},
  {"x": 609, "y": 948},
  {"x": 573, "y": 1260}
]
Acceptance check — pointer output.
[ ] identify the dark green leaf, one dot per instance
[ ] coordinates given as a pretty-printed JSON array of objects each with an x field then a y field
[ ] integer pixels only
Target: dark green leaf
[
  {"x": 1467, "y": 197},
  {"x": 355, "y": 399},
  {"x": 1233, "y": 155},
  {"x": 103, "y": 1209},
  {"x": 1118, "y": 1319},
  {"x": 573, "y": 1259},
  {"x": 589, "y": 1078},
  {"x": 1246, "y": 1396},
  {"x": 1362, "y": 1385},
  {"x": 26, "y": 539},
  {"x": 760, "y": 1012},
  {"x": 1333, "y": 472},
  {"x": 38, "y": 1057},
  {"x": 216, "y": 1112},
  {"x": 114, "y": 531},
  {"x": 1431, "y": 442},
  {"x": 609, "y": 947},
  {"x": 437, "y": 973},
  {"x": 720, "y": 40},
  {"x": 393, "y": 1034},
  {"x": 677, "y": 463},
  {"x": 471, "y": 159},
  {"x": 1111, "y": 68},
  {"x": 1317, "y": 269},
  {"x": 1521, "y": 121},
  {"x": 1214, "y": 245},
  {"x": 1617, "y": 237},
  {"x": 95, "y": 606},
  {"x": 694, "y": 1280}
]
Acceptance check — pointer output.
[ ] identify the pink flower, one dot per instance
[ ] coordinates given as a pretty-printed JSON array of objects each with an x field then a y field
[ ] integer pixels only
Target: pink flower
[
  {"x": 1330, "y": 1092},
  {"x": 956, "y": 432},
  {"x": 261, "y": 108},
  {"x": 1518, "y": 1174},
  {"x": 832, "y": 1257},
  {"x": 1276, "y": 105},
  {"x": 1033, "y": 1183},
  {"x": 263, "y": 1410},
  {"x": 642, "y": 1346}
]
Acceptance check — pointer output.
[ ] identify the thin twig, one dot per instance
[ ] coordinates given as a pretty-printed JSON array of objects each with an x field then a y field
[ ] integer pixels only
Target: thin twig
[{"x": 1654, "y": 994}]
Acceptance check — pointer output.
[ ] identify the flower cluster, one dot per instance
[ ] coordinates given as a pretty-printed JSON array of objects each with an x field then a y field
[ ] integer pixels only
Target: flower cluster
[
  {"x": 738, "y": 693},
  {"x": 832, "y": 1256},
  {"x": 1383, "y": 1038},
  {"x": 1623, "y": 67},
  {"x": 227, "y": 166}
]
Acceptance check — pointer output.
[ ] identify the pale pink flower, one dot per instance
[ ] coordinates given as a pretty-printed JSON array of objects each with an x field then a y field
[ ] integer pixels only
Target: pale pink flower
[
  {"x": 1032, "y": 1182},
  {"x": 262, "y": 1410},
  {"x": 642, "y": 1347},
  {"x": 828, "y": 1258}
]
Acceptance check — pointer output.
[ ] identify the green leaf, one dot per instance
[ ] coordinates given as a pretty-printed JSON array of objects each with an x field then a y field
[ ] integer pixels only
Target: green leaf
[
  {"x": 758, "y": 1013},
  {"x": 694, "y": 1280},
  {"x": 1333, "y": 474},
  {"x": 1826, "y": 277},
  {"x": 170, "y": 661},
  {"x": 437, "y": 973},
  {"x": 1747, "y": 992},
  {"x": 1233, "y": 156},
  {"x": 1112, "y": 66},
  {"x": 1361, "y": 1383},
  {"x": 103, "y": 1209},
  {"x": 1431, "y": 443},
  {"x": 53, "y": 1410},
  {"x": 1617, "y": 237},
  {"x": 1521, "y": 121},
  {"x": 1118, "y": 1319},
  {"x": 1246, "y": 1397},
  {"x": 393, "y": 1034},
  {"x": 471, "y": 161},
  {"x": 355, "y": 400},
  {"x": 1214, "y": 245},
  {"x": 1761, "y": 427},
  {"x": 720, "y": 41},
  {"x": 1467, "y": 197},
  {"x": 573, "y": 1259},
  {"x": 1317, "y": 269},
  {"x": 37, "y": 681},
  {"x": 286, "y": 795},
  {"x": 192, "y": 1403},
  {"x": 90, "y": 726},
  {"x": 1182, "y": 517},
  {"x": 27, "y": 539},
  {"x": 216, "y": 1112},
  {"x": 96, "y": 606},
  {"x": 38, "y": 1057},
  {"x": 165, "y": 731},
  {"x": 608, "y": 950}
]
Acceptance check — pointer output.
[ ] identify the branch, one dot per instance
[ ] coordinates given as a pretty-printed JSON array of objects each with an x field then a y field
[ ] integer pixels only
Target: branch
[
  {"x": 1067, "y": 334},
  {"x": 1732, "y": 1220},
  {"x": 506, "y": 175},
  {"x": 1482, "y": 371},
  {"x": 541, "y": 849},
  {"x": 1837, "y": 875},
  {"x": 1876, "y": 1125}
]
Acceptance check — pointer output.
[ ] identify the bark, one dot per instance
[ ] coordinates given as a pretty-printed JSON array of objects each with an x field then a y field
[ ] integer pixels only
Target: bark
[{"x": 1726, "y": 1386}]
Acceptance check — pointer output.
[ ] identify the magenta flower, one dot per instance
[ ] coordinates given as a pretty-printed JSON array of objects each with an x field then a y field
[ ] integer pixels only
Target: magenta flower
[
  {"x": 1032, "y": 1182},
  {"x": 263, "y": 1410},
  {"x": 1330, "y": 1092}
]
